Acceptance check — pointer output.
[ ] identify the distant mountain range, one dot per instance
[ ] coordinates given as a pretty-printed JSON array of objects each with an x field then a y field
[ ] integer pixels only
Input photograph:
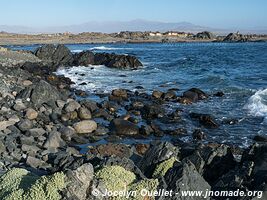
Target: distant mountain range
[{"x": 117, "y": 26}]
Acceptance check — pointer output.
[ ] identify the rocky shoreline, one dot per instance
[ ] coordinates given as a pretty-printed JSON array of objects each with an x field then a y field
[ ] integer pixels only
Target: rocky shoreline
[
  {"x": 50, "y": 132},
  {"x": 125, "y": 37}
]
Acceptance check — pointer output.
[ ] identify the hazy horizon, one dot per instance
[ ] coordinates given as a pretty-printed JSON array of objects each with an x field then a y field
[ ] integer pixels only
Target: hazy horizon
[{"x": 64, "y": 14}]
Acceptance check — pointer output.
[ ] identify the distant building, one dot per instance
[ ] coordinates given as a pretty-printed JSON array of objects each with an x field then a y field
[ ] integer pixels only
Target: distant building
[
  {"x": 155, "y": 34},
  {"x": 176, "y": 34}
]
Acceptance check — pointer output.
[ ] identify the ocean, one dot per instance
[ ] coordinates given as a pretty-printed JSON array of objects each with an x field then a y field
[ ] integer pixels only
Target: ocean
[{"x": 237, "y": 69}]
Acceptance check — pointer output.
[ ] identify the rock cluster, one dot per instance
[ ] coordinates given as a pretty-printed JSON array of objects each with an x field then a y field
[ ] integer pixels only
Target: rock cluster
[{"x": 46, "y": 133}]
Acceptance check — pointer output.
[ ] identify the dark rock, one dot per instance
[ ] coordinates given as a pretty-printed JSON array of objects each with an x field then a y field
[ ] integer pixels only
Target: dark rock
[
  {"x": 79, "y": 182},
  {"x": 195, "y": 94},
  {"x": 152, "y": 111},
  {"x": 205, "y": 35},
  {"x": 110, "y": 60},
  {"x": 157, "y": 153},
  {"x": 44, "y": 93},
  {"x": 25, "y": 125},
  {"x": 110, "y": 149},
  {"x": 157, "y": 94},
  {"x": 205, "y": 119},
  {"x": 260, "y": 138},
  {"x": 123, "y": 162},
  {"x": 235, "y": 37},
  {"x": 72, "y": 106},
  {"x": 184, "y": 177},
  {"x": 219, "y": 94},
  {"x": 169, "y": 95},
  {"x": 146, "y": 130},
  {"x": 117, "y": 61},
  {"x": 54, "y": 141},
  {"x": 257, "y": 153},
  {"x": 198, "y": 134},
  {"x": 120, "y": 93},
  {"x": 55, "y": 54},
  {"x": 218, "y": 161},
  {"x": 84, "y": 58},
  {"x": 123, "y": 127}
]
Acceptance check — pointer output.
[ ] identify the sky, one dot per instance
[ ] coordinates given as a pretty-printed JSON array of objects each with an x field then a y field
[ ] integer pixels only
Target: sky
[{"x": 211, "y": 13}]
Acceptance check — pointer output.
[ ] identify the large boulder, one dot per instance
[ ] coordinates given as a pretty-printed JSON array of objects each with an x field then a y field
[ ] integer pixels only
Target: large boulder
[
  {"x": 55, "y": 54},
  {"x": 156, "y": 154},
  {"x": 205, "y": 35},
  {"x": 258, "y": 155},
  {"x": 184, "y": 177},
  {"x": 79, "y": 182},
  {"x": 235, "y": 37},
  {"x": 43, "y": 92},
  {"x": 123, "y": 127},
  {"x": 86, "y": 58},
  {"x": 195, "y": 94},
  {"x": 205, "y": 120}
]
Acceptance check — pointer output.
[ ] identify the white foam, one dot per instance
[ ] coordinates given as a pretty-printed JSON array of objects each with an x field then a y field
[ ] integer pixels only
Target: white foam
[
  {"x": 257, "y": 104},
  {"x": 106, "y": 48},
  {"x": 76, "y": 51}
]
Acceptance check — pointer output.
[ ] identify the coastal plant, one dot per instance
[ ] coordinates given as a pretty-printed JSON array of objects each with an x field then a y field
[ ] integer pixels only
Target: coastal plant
[
  {"x": 162, "y": 168},
  {"x": 149, "y": 185},
  {"x": 116, "y": 178},
  {"x": 20, "y": 184}
]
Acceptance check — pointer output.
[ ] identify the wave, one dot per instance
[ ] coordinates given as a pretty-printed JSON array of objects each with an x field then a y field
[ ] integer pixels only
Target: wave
[
  {"x": 76, "y": 51},
  {"x": 103, "y": 48},
  {"x": 257, "y": 104}
]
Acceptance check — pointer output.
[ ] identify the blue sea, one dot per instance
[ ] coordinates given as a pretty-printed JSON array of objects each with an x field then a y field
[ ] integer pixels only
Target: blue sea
[{"x": 237, "y": 69}]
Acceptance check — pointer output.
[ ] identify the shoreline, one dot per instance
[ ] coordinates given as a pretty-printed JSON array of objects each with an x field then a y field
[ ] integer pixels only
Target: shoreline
[{"x": 131, "y": 37}]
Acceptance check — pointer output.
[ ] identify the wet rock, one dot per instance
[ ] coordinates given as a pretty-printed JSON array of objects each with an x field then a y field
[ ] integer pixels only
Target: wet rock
[
  {"x": 89, "y": 104},
  {"x": 195, "y": 94},
  {"x": 219, "y": 94},
  {"x": 123, "y": 127},
  {"x": 31, "y": 114},
  {"x": 157, "y": 94},
  {"x": 85, "y": 126},
  {"x": 205, "y": 119},
  {"x": 169, "y": 95},
  {"x": 84, "y": 58},
  {"x": 141, "y": 148},
  {"x": 184, "y": 177},
  {"x": 198, "y": 134},
  {"x": 55, "y": 54},
  {"x": 152, "y": 111},
  {"x": 117, "y": 61},
  {"x": 120, "y": 93},
  {"x": 260, "y": 138},
  {"x": 79, "y": 182},
  {"x": 157, "y": 153},
  {"x": 84, "y": 113},
  {"x": 146, "y": 130}
]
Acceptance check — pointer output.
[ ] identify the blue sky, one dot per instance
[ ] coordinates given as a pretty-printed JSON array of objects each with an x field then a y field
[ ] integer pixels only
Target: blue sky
[{"x": 213, "y": 13}]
